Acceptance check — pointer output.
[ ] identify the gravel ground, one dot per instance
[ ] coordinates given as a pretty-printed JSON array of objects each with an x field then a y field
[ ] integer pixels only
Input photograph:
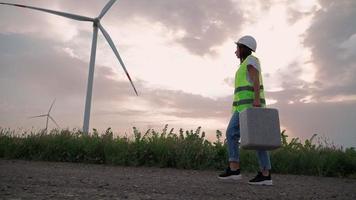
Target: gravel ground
[{"x": 52, "y": 180}]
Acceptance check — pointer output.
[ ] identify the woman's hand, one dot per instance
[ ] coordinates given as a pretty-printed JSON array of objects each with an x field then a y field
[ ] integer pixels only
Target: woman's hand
[{"x": 256, "y": 103}]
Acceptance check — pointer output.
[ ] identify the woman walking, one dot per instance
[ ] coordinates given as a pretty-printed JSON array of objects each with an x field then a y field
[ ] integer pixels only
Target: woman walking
[{"x": 248, "y": 93}]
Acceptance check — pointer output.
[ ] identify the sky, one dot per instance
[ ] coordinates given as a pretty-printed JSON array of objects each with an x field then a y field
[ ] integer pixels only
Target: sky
[{"x": 180, "y": 55}]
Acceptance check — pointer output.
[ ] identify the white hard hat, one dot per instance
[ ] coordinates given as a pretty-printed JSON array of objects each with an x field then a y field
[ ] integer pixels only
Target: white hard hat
[{"x": 248, "y": 41}]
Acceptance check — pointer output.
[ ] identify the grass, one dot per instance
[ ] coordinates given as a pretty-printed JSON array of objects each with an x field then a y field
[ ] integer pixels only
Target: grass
[{"x": 166, "y": 148}]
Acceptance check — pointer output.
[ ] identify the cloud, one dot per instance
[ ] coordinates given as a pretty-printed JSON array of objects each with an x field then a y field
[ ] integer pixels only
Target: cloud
[
  {"x": 205, "y": 23},
  {"x": 330, "y": 38},
  {"x": 190, "y": 105},
  {"x": 303, "y": 113},
  {"x": 300, "y": 9},
  {"x": 33, "y": 72}
]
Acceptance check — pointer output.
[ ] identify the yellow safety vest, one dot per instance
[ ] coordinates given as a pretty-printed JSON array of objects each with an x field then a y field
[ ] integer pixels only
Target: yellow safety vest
[{"x": 244, "y": 91}]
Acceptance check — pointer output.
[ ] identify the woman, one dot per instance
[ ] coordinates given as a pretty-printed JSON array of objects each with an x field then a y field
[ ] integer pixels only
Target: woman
[{"x": 248, "y": 93}]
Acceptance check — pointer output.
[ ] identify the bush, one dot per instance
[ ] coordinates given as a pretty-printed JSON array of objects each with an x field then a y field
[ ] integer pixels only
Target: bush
[{"x": 186, "y": 150}]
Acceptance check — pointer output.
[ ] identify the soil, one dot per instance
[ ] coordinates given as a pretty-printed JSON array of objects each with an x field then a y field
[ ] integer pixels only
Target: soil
[{"x": 52, "y": 180}]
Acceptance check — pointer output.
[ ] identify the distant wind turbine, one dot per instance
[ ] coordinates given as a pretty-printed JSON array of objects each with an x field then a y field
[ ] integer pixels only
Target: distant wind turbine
[
  {"x": 96, "y": 26},
  {"x": 48, "y": 116}
]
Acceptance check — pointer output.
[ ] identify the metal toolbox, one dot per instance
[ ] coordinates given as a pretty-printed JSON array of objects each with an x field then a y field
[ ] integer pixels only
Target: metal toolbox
[{"x": 259, "y": 129}]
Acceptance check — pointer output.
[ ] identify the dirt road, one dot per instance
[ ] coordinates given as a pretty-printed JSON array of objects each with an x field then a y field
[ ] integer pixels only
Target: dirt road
[{"x": 49, "y": 180}]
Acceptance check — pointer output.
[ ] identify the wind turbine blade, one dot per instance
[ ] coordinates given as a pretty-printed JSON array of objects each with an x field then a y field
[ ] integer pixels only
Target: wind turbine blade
[
  {"x": 111, "y": 43},
  {"x": 51, "y": 106},
  {"x": 37, "y": 116},
  {"x": 106, "y": 8},
  {"x": 63, "y": 14},
  {"x": 53, "y": 121}
]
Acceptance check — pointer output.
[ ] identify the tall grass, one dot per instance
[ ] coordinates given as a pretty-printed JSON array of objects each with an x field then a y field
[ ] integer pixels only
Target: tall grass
[{"x": 166, "y": 148}]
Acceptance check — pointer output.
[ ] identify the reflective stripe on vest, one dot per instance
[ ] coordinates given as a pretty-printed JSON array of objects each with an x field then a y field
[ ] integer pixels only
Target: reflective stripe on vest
[
  {"x": 244, "y": 91},
  {"x": 248, "y": 88},
  {"x": 247, "y": 101}
]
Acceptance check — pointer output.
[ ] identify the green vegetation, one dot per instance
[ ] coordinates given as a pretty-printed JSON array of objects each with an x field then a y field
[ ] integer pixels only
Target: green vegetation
[{"x": 185, "y": 149}]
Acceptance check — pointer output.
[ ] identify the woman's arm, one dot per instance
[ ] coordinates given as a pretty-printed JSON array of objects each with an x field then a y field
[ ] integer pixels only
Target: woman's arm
[{"x": 254, "y": 77}]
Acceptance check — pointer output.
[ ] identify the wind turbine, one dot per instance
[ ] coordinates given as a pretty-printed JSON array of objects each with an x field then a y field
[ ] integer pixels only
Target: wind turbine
[
  {"x": 96, "y": 26},
  {"x": 48, "y": 116}
]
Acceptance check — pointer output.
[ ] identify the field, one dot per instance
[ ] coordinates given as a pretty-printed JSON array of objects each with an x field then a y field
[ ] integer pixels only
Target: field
[{"x": 167, "y": 149}]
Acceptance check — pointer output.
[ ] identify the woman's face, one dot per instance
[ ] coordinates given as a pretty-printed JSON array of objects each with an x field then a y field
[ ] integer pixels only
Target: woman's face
[{"x": 237, "y": 52}]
